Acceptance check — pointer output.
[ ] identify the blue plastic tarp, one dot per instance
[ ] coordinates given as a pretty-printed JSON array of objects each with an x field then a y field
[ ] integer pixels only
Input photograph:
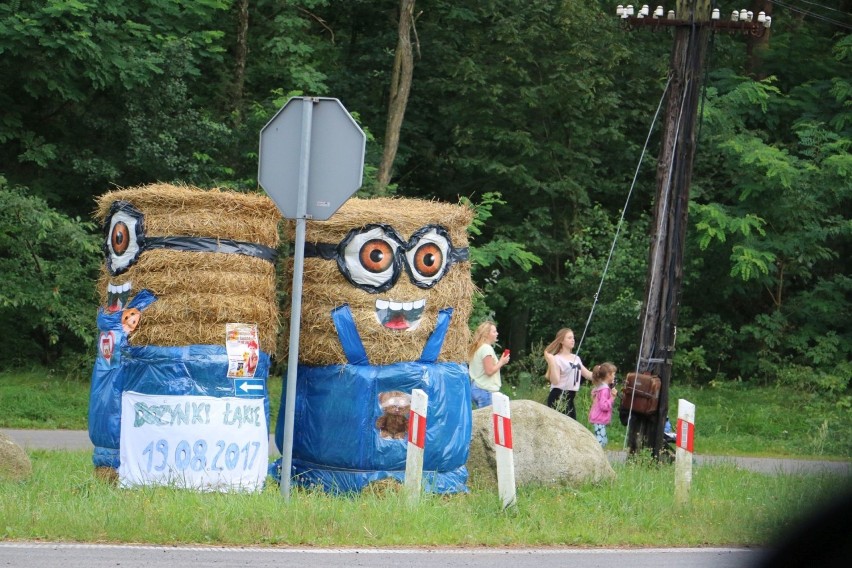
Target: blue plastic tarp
[
  {"x": 119, "y": 367},
  {"x": 337, "y": 445}
]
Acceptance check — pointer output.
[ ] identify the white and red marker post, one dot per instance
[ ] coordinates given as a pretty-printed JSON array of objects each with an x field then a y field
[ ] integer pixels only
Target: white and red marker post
[
  {"x": 416, "y": 445},
  {"x": 683, "y": 454},
  {"x": 502, "y": 418}
]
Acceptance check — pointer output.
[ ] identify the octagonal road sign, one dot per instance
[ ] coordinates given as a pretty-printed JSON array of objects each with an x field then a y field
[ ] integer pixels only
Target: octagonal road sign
[{"x": 336, "y": 157}]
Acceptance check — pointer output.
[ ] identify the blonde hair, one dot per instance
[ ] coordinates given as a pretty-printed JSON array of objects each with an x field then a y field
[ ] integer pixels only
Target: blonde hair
[
  {"x": 602, "y": 371},
  {"x": 555, "y": 346},
  {"x": 480, "y": 337}
]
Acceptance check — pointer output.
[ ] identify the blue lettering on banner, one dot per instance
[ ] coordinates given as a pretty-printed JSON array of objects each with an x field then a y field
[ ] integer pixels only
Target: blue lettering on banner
[
  {"x": 241, "y": 414},
  {"x": 170, "y": 415},
  {"x": 157, "y": 456}
]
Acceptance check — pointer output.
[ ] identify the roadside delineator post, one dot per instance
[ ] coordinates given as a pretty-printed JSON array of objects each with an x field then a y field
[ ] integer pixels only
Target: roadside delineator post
[
  {"x": 683, "y": 453},
  {"x": 502, "y": 418},
  {"x": 416, "y": 445}
]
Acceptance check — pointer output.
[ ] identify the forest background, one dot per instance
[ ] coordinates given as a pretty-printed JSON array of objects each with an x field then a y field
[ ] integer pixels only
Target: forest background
[{"x": 535, "y": 111}]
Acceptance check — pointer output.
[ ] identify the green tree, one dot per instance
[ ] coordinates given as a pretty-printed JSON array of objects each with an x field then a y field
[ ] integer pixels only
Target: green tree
[
  {"x": 70, "y": 70},
  {"x": 49, "y": 264},
  {"x": 771, "y": 220}
]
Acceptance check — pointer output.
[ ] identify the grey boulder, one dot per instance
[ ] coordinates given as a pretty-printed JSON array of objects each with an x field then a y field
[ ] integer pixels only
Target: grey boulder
[{"x": 549, "y": 448}]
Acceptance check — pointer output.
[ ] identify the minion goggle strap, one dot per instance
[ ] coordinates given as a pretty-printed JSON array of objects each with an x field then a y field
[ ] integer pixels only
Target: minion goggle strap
[
  {"x": 125, "y": 241},
  {"x": 372, "y": 257}
]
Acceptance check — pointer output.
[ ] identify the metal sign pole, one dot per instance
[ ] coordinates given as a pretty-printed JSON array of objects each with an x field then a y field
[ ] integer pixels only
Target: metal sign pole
[{"x": 296, "y": 298}]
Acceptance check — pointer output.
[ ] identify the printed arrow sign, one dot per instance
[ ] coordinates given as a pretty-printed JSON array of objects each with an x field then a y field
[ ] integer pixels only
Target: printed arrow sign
[{"x": 249, "y": 387}]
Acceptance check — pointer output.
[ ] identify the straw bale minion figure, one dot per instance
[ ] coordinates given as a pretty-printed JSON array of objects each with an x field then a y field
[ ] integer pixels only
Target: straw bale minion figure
[
  {"x": 387, "y": 294},
  {"x": 176, "y": 271}
]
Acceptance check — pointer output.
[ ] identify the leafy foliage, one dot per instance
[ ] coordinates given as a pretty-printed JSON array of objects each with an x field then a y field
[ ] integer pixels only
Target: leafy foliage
[
  {"x": 49, "y": 263},
  {"x": 533, "y": 110}
]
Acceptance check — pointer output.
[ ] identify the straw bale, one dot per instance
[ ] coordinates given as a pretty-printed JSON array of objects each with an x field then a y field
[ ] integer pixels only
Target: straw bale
[
  {"x": 324, "y": 288},
  {"x": 199, "y": 292},
  {"x": 193, "y": 308},
  {"x": 404, "y": 215},
  {"x": 174, "y": 334},
  {"x": 172, "y": 210},
  {"x": 166, "y": 272}
]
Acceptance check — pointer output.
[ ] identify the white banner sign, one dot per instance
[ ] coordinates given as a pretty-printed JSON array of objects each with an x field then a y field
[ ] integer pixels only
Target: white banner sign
[{"x": 193, "y": 442}]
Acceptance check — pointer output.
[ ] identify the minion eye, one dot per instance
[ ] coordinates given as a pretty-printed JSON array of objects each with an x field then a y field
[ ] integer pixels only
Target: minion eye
[
  {"x": 370, "y": 258},
  {"x": 376, "y": 256},
  {"x": 124, "y": 236},
  {"x": 120, "y": 238},
  {"x": 427, "y": 259}
]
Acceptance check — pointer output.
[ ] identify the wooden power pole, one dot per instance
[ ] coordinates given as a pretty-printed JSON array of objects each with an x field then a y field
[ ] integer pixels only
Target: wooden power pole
[{"x": 693, "y": 22}]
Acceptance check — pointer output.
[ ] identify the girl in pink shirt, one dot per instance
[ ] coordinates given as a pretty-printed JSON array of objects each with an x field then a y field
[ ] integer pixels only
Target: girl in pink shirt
[{"x": 603, "y": 396}]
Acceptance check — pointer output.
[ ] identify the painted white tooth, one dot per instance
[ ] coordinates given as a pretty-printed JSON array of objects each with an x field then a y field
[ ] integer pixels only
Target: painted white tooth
[
  {"x": 395, "y": 305},
  {"x": 420, "y": 303},
  {"x": 112, "y": 288},
  {"x": 382, "y": 304},
  {"x": 407, "y": 306},
  {"x": 127, "y": 286}
]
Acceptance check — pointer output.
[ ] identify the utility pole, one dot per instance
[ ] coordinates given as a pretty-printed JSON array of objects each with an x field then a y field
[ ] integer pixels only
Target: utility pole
[{"x": 693, "y": 22}]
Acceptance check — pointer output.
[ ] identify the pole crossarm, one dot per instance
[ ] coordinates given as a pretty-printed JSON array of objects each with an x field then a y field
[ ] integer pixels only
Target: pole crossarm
[{"x": 754, "y": 29}]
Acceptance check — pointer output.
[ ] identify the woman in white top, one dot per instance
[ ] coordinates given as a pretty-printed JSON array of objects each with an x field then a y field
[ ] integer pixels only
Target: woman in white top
[
  {"x": 565, "y": 371},
  {"x": 483, "y": 365}
]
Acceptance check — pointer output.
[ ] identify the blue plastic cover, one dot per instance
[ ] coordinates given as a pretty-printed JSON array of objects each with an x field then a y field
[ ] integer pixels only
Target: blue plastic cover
[
  {"x": 187, "y": 370},
  {"x": 337, "y": 445}
]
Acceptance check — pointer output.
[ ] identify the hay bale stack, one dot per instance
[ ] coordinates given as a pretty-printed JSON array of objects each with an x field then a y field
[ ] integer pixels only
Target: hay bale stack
[
  {"x": 325, "y": 288},
  {"x": 199, "y": 292}
]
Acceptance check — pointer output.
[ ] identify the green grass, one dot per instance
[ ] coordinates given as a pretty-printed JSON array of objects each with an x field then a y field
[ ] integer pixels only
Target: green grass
[
  {"x": 64, "y": 501},
  {"x": 731, "y": 418},
  {"x": 40, "y": 399}
]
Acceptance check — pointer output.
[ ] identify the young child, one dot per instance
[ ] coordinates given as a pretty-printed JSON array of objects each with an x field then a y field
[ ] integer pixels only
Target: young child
[{"x": 603, "y": 396}]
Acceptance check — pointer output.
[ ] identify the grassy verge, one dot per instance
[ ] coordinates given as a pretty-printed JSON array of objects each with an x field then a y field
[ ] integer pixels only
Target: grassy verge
[
  {"x": 732, "y": 418},
  {"x": 740, "y": 419},
  {"x": 63, "y": 501}
]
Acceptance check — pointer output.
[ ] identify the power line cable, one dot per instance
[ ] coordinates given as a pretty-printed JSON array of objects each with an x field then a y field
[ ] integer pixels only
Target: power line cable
[
  {"x": 814, "y": 15},
  {"x": 826, "y": 8}
]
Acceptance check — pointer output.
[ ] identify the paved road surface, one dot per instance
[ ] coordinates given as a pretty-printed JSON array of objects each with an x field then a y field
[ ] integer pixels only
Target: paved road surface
[
  {"x": 128, "y": 556},
  {"x": 79, "y": 440}
]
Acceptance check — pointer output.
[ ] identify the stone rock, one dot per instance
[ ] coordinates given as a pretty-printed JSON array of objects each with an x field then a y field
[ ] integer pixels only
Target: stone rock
[
  {"x": 15, "y": 464},
  {"x": 549, "y": 448}
]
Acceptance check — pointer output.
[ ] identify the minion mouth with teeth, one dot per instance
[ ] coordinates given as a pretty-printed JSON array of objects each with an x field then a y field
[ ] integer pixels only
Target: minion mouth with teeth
[
  {"x": 387, "y": 294},
  {"x": 400, "y": 316},
  {"x": 117, "y": 296}
]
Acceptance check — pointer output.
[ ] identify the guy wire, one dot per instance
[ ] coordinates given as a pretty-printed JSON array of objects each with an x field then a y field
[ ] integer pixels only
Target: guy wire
[{"x": 623, "y": 213}]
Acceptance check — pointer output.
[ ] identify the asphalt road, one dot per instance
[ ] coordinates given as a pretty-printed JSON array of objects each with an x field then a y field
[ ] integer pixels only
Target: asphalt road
[
  {"x": 129, "y": 556},
  {"x": 79, "y": 440}
]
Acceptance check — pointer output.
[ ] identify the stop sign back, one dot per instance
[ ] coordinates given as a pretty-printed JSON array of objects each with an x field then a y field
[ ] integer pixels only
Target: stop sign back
[{"x": 336, "y": 150}]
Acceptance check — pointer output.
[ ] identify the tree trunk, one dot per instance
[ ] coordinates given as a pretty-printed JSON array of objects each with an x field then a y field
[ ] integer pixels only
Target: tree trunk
[
  {"x": 403, "y": 70},
  {"x": 240, "y": 60}
]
